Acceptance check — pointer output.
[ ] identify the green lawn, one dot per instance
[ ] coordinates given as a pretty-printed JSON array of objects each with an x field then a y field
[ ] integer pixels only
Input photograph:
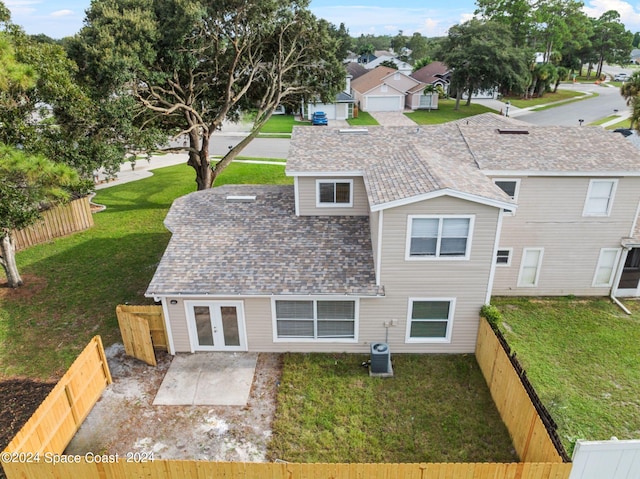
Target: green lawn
[
  {"x": 582, "y": 357},
  {"x": 446, "y": 112},
  {"x": 364, "y": 119},
  {"x": 436, "y": 408},
  {"x": 621, "y": 124},
  {"x": 73, "y": 284},
  {"x": 280, "y": 126},
  {"x": 560, "y": 95}
]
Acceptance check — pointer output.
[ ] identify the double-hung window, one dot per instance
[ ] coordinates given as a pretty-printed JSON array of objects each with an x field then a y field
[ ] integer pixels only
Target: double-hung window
[
  {"x": 334, "y": 193},
  {"x": 315, "y": 319},
  {"x": 444, "y": 237},
  {"x": 600, "y": 197},
  {"x": 511, "y": 187},
  {"x": 430, "y": 319}
]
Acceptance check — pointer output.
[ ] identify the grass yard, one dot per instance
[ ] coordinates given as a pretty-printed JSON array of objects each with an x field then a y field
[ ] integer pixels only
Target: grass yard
[
  {"x": 621, "y": 124},
  {"x": 73, "y": 284},
  {"x": 436, "y": 408},
  {"x": 560, "y": 95},
  {"x": 581, "y": 355},
  {"x": 446, "y": 112},
  {"x": 280, "y": 126},
  {"x": 364, "y": 119}
]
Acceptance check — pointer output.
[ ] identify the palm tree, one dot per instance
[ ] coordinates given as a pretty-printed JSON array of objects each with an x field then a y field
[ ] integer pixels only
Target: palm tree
[
  {"x": 630, "y": 91},
  {"x": 430, "y": 90}
]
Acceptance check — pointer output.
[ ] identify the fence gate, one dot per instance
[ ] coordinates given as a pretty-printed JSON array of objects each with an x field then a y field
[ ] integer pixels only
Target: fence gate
[{"x": 136, "y": 335}]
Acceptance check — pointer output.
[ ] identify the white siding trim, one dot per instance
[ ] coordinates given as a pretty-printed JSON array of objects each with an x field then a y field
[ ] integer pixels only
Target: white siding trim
[
  {"x": 379, "y": 248},
  {"x": 614, "y": 187},
  {"x": 274, "y": 321},
  {"x": 492, "y": 272},
  {"x": 447, "y": 339},
  {"x": 445, "y": 192},
  {"x": 538, "y": 267},
  {"x": 407, "y": 250},
  {"x": 573, "y": 174},
  {"x": 614, "y": 267},
  {"x": 167, "y": 327},
  {"x": 635, "y": 221}
]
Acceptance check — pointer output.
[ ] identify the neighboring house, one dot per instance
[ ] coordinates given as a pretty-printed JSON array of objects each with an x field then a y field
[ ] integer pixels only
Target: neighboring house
[
  {"x": 403, "y": 67},
  {"x": 401, "y": 234},
  {"x": 386, "y": 89},
  {"x": 340, "y": 109},
  {"x": 355, "y": 70},
  {"x": 435, "y": 73},
  {"x": 634, "y": 57}
]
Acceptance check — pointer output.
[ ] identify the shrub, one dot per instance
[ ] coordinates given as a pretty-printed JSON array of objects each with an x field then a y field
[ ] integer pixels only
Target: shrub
[{"x": 491, "y": 314}]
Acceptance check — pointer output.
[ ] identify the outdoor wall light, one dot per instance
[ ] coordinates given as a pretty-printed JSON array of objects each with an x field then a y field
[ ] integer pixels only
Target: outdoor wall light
[{"x": 174, "y": 301}]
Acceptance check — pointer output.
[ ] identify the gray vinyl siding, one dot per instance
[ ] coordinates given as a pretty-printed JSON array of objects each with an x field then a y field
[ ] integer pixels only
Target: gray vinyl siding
[
  {"x": 464, "y": 280},
  {"x": 550, "y": 216},
  {"x": 307, "y": 198}
]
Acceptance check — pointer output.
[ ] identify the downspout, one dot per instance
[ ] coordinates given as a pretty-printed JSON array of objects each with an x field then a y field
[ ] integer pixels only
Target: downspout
[{"x": 617, "y": 301}]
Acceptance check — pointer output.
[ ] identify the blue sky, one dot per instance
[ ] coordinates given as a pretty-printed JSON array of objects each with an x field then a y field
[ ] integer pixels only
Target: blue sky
[{"x": 59, "y": 18}]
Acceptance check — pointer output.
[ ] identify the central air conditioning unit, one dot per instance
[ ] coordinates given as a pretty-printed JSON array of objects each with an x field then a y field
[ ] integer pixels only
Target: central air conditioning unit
[{"x": 380, "y": 360}]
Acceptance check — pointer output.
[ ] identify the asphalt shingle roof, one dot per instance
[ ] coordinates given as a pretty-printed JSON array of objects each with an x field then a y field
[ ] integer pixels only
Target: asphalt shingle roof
[{"x": 262, "y": 247}]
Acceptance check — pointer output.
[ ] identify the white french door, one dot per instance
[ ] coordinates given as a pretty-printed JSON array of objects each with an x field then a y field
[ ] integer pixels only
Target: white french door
[{"x": 216, "y": 325}]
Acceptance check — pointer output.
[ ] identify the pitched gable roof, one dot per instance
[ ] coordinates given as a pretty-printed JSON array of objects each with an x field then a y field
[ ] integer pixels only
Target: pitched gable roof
[
  {"x": 431, "y": 72},
  {"x": 355, "y": 70},
  {"x": 371, "y": 79},
  {"x": 215, "y": 249}
]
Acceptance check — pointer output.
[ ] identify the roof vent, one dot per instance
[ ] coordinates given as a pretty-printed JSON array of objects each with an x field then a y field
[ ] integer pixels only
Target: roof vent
[
  {"x": 354, "y": 131},
  {"x": 513, "y": 131},
  {"x": 241, "y": 199}
]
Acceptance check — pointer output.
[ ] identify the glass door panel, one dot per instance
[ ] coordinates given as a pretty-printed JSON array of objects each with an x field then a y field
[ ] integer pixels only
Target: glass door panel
[
  {"x": 230, "y": 329},
  {"x": 204, "y": 329}
]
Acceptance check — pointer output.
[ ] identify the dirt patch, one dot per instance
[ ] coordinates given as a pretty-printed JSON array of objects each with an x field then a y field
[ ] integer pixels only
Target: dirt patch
[
  {"x": 19, "y": 399},
  {"x": 124, "y": 421},
  {"x": 32, "y": 286}
]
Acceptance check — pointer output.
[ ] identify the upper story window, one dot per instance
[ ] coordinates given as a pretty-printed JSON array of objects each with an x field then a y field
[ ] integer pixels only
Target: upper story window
[
  {"x": 600, "y": 197},
  {"x": 511, "y": 187},
  {"x": 334, "y": 193},
  {"x": 443, "y": 237}
]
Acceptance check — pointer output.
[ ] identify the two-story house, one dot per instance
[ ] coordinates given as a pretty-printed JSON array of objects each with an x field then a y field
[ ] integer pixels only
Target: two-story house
[{"x": 400, "y": 235}]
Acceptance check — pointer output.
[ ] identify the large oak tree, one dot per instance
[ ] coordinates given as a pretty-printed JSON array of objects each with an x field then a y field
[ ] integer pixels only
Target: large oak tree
[{"x": 192, "y": 64}]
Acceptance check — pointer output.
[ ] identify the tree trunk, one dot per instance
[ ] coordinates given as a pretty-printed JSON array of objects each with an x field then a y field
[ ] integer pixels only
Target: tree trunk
[
  {"x": 199, "y": 160},
  {"x": 8, "y": 261},
  {"x": 458, "y": 95}
]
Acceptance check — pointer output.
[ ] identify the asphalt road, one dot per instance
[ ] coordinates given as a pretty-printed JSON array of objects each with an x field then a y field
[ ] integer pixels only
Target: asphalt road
[
  {"x": 258, "y": 148},
  {"x": 590, "y": 110}
]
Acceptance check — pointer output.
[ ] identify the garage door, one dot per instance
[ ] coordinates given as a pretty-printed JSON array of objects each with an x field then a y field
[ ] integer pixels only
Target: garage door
[
  {"x": 329, "y": 109},
  {"x": 384, "y": 103}
]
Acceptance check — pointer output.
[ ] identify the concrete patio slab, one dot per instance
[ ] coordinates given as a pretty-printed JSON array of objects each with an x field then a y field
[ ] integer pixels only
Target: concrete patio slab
[{"x": 208, "y": 379}]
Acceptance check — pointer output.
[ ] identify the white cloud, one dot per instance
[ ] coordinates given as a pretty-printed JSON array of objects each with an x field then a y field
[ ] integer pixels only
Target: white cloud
[
  {"x": 628, "y": 13},
  {"x": 21, "y": 7},
  {"x": 62, "y": 13}
]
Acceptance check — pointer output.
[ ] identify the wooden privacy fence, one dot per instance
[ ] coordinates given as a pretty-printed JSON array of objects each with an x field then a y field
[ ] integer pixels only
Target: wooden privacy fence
[
  {"x": 56, "y": 222},
  {"x": 60, "y": 415},
  {"x": 143, "y": 330},
  {"x": 89, "y": 468},
  {"x": 530, "y": 425}
]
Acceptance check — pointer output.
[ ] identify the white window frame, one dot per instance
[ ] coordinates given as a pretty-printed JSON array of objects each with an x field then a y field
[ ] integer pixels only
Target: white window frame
[
  {"x": 437, "y": 256},
  {"x": 614, "y": 187},
  {"x": 447, "y": 338},
  {"x": 508, "y": 263},
  {"x": 599, "y": 265},
  {"x": 320, "y": 204},
  {"x": 515, "y": 195},
  {"x": 538, "y": 267},
  {"x": 384, "y": 88},
  {"x": 315, "y": 339}
]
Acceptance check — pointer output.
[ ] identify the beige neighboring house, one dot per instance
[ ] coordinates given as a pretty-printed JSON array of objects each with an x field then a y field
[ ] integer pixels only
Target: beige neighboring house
[
  {"x": 401, "y": 235},
  {"x": 387, "y": 89}
]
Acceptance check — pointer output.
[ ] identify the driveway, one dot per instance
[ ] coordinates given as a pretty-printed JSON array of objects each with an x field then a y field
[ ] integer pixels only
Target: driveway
[{"x": 392, "y": 118}]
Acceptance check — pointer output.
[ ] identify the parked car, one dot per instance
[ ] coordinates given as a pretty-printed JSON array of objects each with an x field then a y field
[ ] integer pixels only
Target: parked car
[
  {"x": 319, "y": 118},
  {"x": 622, "y": 77}
]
